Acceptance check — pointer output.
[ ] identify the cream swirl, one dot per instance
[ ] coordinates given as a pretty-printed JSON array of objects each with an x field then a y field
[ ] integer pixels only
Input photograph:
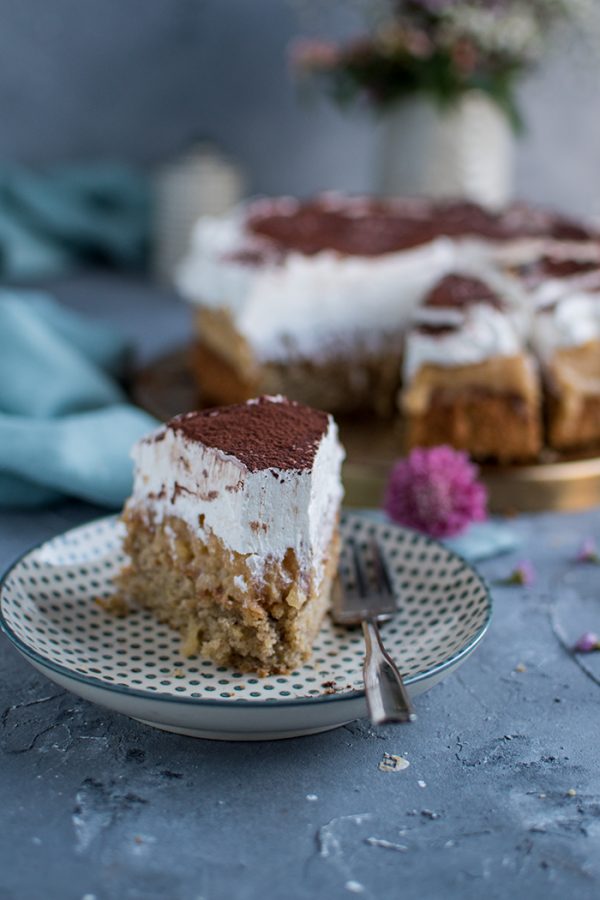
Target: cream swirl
[
  {"x": 481, "y": 333},
  {"x": 570, "y": 321}
]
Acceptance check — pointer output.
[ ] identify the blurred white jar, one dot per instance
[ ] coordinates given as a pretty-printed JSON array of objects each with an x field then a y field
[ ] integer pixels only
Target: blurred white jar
[{"x": 201, "y": 182}]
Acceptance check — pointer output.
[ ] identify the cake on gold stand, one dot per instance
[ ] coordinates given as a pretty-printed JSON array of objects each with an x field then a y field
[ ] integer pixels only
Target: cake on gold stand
[{"x": 564, "y": 482}]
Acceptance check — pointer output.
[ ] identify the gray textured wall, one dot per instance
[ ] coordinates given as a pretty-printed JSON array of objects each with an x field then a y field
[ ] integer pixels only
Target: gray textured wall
[{"x": 138, "y": 79}]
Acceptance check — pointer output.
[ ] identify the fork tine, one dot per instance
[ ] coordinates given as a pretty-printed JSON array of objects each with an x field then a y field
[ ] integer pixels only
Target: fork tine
[
  {"x": 381, "y": 569},
  {"x": 360, "y": 571}
]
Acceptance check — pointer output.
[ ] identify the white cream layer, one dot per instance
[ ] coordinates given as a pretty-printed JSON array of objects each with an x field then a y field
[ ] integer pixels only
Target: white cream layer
[
  {"x": 570, "y": 321},
  {"x": 306, "y": 306},
  {"x": 259, "y": 514},
  {"x": 479, "y": 333},
  {"x": 311, "y": 306}
]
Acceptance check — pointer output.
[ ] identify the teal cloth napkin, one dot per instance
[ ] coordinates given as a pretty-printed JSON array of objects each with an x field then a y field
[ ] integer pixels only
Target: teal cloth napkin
[
  {"x": 65, "y": 425},
  {"x": 482, "y": 540},
  {"x": 51, "y": 221}
]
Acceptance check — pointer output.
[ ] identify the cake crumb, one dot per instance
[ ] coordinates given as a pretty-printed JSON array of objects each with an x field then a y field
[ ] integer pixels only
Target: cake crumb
[
  {"x": 386, "y": 845},
  {"x": 190, "y": 642},
  {"x": 520, "y": 667},
  {"x": 390, "y": 762},
  {"x": 571, "y": 792},
  {"x": 421, "y": 783},
  {"x": 115, "y": 605},
  {"x": 177, "y": 673}
]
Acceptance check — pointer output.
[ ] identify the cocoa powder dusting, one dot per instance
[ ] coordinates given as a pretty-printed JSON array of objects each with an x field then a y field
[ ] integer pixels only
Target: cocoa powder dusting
[
  {"x": 460, "y": 291},
  {"x": 435, "y": 330},
  {"x": 209, "y": 496},
  {"x": 548, "y": 266},
  {"x": 366, "y": 226},
  {"x": 261, "y": 434}
]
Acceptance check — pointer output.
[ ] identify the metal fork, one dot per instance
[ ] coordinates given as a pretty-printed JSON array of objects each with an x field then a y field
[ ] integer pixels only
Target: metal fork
[{"x": 369, "y": 600}]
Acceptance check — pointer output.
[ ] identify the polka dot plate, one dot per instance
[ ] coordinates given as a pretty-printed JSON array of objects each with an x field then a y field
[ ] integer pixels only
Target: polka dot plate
[{"x": 134, "y": 665}]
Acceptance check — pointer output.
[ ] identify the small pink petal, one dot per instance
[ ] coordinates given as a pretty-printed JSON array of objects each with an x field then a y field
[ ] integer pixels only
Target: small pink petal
[
  {"x": 588, "y": 551},
  {"x": 587, "y": 643},
  {"x": 307, "y": 54},
  {"x": 523, "y": 574}
]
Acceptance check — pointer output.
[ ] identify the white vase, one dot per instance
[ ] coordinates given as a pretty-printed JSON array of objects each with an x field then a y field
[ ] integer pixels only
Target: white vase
[{"x": 465, "y": 150}]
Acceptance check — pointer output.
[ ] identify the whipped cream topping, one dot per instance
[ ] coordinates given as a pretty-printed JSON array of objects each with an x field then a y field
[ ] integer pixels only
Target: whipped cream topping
[
  {"x": 260, "y": 514},
  {"x": 547, "y": 291},
  {"x": 306, "y": 306},
  {"x": 454, "y": 338},
  {"x": 526, "y": 251},
  {"x": 471, "y": 315},
  {"x": 565, "y": 320},
  {"x": 290, "y": 305}
]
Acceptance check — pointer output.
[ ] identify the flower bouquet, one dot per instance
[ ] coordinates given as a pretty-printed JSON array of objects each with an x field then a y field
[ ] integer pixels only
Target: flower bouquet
[
  {"x": 442, "y": 48},
  {"x": 444, "y": 74}
]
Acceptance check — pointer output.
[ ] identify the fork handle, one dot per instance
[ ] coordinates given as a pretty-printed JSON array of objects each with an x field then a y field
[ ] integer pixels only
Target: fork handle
[{"x": 387, "y": 698}]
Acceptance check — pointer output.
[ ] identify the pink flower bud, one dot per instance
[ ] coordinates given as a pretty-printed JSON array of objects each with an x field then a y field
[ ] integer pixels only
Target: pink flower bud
[
  {"x": 588, "y": 552},
  {"x": 587, "y": 643},
  {"x": 435, "y": 491}
]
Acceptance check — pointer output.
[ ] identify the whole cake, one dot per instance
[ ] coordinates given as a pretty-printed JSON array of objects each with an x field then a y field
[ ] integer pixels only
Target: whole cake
[
  {"x": 232, "y": 530},
  {"x": 323, "y": 300}
]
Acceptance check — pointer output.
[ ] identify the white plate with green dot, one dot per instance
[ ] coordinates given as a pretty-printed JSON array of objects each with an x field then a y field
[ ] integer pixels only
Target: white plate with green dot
[{"x": 134, "y": 665}]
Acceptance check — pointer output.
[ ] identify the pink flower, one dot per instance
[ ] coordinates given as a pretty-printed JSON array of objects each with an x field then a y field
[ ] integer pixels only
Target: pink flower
[
  {"x": 419, "y": 44},
  {"x": 524, "y": 574},
  {"x": 308, "y": 54},
  {"x": 587, "y": 643},
  {"x": 588, "y": 552},
  {"x": 435, "y": 491},
  {"x": 465, "y": 56},
  {"x": 393, "y": 39}
]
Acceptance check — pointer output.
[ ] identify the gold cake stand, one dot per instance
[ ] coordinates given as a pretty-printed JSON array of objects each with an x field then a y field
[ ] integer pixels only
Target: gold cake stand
[{"x": 165, "y": 387}]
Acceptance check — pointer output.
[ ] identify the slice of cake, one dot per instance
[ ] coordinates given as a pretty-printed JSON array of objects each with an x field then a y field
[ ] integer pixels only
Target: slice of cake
[
  {"x": 566, "y": 338},
  {"x": 232, "y": 530},
  {"x": 468, "y": 380}
]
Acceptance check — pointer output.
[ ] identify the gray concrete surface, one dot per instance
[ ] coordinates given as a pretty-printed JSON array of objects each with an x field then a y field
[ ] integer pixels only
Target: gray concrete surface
[{"x": 97, "y": 806}]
